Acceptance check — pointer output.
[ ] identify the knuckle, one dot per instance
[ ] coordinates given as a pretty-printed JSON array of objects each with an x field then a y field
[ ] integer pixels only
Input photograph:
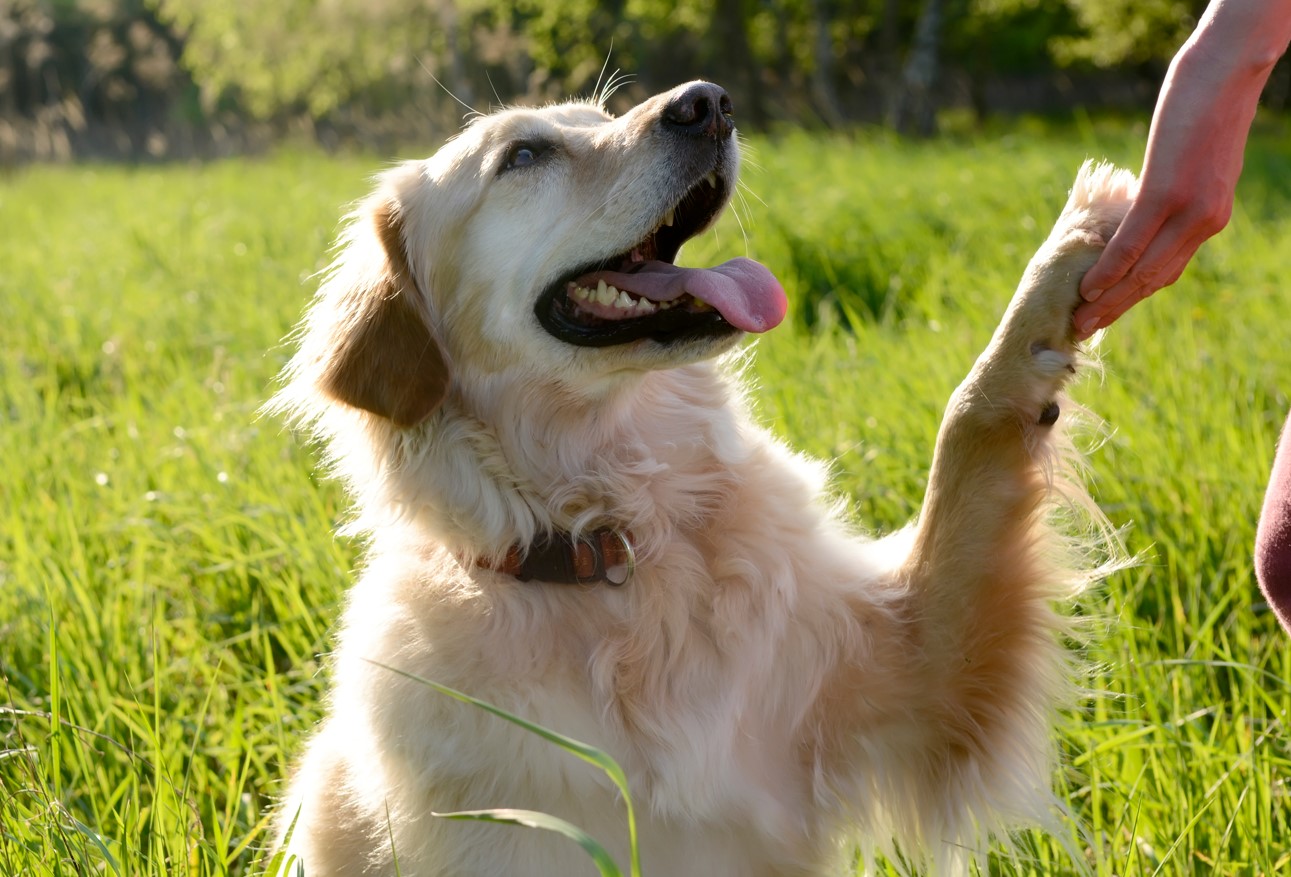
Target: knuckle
[
  {"x": 1130, "y": 251},
  {"x": 1140, "y": 278},
  {"x": 1217, "y": 220},
  {"x": 1209, "y": 216}
]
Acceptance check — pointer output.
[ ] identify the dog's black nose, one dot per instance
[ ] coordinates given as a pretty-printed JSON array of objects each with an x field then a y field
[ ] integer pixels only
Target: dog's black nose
[{"x": 700, "y": 110}]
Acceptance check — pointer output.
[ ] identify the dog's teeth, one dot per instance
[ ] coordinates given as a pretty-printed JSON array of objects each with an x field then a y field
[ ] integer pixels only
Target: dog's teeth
[
  {"x": 670, "y": 216},
  {"x": 605, "y": 294},
  {"x": 645, "y": 306},
  {"x": 701, "y": 305},
  {"x": 624, "y": 301}
]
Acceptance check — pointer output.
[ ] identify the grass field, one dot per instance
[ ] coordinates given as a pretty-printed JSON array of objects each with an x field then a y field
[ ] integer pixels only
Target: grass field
[{"x": 168, "y": 577}]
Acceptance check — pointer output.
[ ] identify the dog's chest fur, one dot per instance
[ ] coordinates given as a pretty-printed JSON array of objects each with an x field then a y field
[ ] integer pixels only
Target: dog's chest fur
[{"x": 691, "y": 672}]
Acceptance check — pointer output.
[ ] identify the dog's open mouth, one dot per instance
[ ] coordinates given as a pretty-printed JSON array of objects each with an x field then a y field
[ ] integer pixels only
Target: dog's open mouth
[{"x": 642, "y": 294}]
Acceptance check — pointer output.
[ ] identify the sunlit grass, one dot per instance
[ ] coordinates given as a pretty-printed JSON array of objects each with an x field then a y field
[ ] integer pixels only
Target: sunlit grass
[{"x": 168, "y": 577}]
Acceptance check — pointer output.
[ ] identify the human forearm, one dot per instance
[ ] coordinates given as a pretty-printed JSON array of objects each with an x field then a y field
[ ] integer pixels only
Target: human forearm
[{"x": 1243, "y": 39}]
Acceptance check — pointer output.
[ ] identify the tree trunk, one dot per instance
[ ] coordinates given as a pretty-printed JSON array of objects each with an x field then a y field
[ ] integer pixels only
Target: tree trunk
[
  {"x": 458, "y": 83},
  {"x": 888, "y": 59},
  {"x": 732, "y": 29},
  {"x": 915, "y": 111},
  {"x": 822, "y": 72}
]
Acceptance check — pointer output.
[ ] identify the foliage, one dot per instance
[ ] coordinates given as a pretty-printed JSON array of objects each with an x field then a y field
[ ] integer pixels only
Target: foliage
[
  {"x": 67, "y": 68},
  {"x": 300, "y": 54},
  {"x": 156, "y": 75},
  {"x": 168, "y": 575},
  {"x": 1128, "y": 33},
  {"x": 1010, "y": 36}
]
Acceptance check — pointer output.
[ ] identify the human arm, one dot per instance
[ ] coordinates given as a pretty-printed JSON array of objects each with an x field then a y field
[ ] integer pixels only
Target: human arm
[{"x": 1194, "y": 155}]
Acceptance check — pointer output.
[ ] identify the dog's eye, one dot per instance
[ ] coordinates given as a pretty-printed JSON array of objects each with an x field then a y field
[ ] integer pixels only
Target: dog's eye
[{"x": 523, "y": 153}]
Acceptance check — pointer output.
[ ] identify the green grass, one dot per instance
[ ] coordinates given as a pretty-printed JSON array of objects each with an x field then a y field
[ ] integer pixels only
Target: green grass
[{"x": 168, "y": 578}]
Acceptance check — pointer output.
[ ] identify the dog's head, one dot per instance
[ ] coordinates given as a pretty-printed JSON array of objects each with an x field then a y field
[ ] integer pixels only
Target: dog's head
[{"x": 540, "y": 242}]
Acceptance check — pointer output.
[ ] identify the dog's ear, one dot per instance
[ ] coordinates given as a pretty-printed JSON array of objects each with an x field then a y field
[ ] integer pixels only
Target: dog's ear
[{"x": 383, "y": 355}]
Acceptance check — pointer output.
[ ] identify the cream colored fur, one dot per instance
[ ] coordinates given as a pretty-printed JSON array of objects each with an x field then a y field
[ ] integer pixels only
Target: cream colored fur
[{"x": 774, "y": 684}]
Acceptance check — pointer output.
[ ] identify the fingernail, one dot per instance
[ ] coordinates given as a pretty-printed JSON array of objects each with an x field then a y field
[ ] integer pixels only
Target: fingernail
[
  {"x": 1087, "y": 327},
  {"x": 1093, "y": 294}
]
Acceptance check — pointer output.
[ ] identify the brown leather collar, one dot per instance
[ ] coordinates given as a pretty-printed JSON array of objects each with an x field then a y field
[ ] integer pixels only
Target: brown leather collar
[{"x": 600, "y": 556}]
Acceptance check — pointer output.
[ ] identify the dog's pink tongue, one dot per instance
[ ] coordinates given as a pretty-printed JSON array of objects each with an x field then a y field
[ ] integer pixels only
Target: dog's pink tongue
[{"x": 743, "y": 291}]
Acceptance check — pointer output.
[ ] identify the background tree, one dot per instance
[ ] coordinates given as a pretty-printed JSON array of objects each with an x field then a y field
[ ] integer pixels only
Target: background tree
[
  {"x": 914, "y": 108},
  {"x": 155, "y": 77},
  {"x": 1116, "y": 34}
]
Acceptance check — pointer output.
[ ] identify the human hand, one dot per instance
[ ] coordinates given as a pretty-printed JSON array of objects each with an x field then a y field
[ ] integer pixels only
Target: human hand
[
  {"x": 1193, "y": 158},
  {"x": 1193, "y": 161},
  {"x": 1158, "y": 237}
]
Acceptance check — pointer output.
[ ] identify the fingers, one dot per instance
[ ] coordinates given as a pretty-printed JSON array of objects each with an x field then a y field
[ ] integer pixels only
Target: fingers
[
  {"x": 1148, "y": 257},
  {"x": 1137, "y": 232},
  {"x": 1155, "y": 242},
  {"x": 1087, "y": 323},
  {"x": 1156, "y": 270}
]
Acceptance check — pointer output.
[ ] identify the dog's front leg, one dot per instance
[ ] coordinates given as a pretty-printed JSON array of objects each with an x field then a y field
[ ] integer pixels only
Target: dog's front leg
[
  {"x": 982, "y": 554},
  {"x": 985, "y": 567}
]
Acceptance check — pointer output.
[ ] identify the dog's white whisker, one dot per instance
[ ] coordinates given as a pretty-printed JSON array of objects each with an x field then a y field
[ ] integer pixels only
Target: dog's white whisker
[
  {"x": 471, "y": 112},
  {"x": 740, "y": 221},
  {"x": 597, "y": 97},
  {"x": 745, "y": 187},
  {"x": 613, "y": 85}
]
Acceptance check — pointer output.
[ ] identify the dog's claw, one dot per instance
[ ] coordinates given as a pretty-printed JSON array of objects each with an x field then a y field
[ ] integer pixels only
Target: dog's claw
[{"x": 1049, "y": 416}]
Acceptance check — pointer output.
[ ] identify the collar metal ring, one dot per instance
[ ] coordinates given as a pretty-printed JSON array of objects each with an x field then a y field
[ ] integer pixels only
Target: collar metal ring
[{"x": 619, "y": 574}]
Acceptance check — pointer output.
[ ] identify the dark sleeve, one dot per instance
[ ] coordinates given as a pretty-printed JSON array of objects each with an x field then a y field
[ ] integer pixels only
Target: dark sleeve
[{"x": 1273, "y": 539}]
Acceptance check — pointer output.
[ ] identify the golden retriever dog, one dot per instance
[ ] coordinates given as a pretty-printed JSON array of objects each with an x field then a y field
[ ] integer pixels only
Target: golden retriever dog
[{"x": 570, "y": 513}]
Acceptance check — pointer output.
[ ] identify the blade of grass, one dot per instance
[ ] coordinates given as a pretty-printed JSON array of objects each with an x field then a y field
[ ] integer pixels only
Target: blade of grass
[
  {"x": 587, "y": 753},
  {"x": 534, "y": 819}
]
